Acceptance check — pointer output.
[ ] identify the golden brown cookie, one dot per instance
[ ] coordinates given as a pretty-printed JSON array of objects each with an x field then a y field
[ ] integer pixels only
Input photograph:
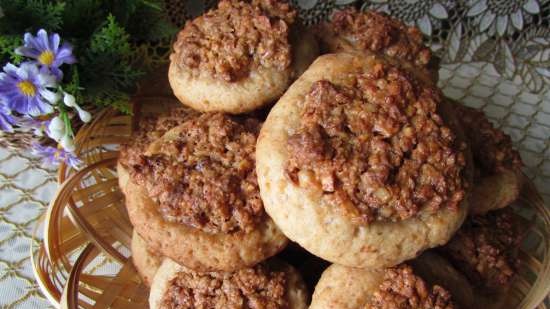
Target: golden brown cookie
[
  {"x": 376, "y": 32},
  {"x": 239, "y": 56},
  {"x": 397, "y": 287},
  {"x": 192, "y": 194},
  {"x": 271, "y": 284},
  {"x": 485, "y": 250},
  {"x": 498, "y": 179},
  {"x": 356, "y": 163},
  {"x": 146, "y": 261}
]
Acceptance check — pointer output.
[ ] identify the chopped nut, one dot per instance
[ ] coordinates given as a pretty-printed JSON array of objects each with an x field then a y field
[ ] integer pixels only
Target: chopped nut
[
  {"x": 205, "y": 178},
  {"x": 379, "y": 143},
  {"x": 228, "y": 42}
]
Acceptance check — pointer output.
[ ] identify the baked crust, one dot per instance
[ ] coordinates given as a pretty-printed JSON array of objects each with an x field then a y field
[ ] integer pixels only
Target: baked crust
[
  {"x": 498, "y": 180},
  {"x": 485, "y": 249},
  {"x": 495, "y": 191},
  {"x": 435, "y": 269},
  {"x": 342, "y": 287},
  {"x": 145, "y": 261},
  {"x": 207, "y": 94},
  {"x": 196, "y": 249},
  {"x": 296, "y": 292},
  {"x": 305, "y": 217},
  {"x": 262, "y": 86}
]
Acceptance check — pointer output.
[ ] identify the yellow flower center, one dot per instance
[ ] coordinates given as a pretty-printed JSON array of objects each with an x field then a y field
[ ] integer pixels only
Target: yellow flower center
[
  {"x": 27, "y": 88},
  {"x": 46, "y": 58}
]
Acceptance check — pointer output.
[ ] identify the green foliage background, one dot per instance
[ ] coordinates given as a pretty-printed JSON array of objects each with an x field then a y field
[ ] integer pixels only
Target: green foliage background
[{"x": 106, "y": 35}]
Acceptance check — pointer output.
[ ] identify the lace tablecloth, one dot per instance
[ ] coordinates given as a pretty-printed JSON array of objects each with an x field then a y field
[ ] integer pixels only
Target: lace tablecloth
[
  {"x": 495, "y": 55},
  {"x": 25, "y": 190}
]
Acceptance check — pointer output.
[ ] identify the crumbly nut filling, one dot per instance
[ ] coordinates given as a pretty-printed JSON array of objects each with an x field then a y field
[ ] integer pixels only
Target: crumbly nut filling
[
  {"x": 251, "y": 288},
  {"x": 148, "y": 129},
  {"x": 378, "y": 147},
  {"x": 402, "y": 289},
  {"x": 379, "y": 33},
  {"x": 205, "y": 177},
  {"x": 485, "y": 248},
  {"x": 237, "y": 36},
  {"x": 492, "y": 149}
]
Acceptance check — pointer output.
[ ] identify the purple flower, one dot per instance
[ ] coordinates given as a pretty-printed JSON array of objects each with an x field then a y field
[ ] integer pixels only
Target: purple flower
[
  {"x": 37, "y": 125},
  {"x": 25, "y": 89},
  {"x": 47, "y": 52},
  {"x": 53, "y": 156},
  {"x": 6, "y": 119}
]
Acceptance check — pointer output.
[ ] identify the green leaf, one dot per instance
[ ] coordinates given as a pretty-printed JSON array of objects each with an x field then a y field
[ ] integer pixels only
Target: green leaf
[
  {"x": 153, "y": 4},
  {"x": 73, "y": 85},
  {"x": 116, "y": 99},
  {"x": 30, "y": 15},
  {"x": 111, "y": 38},
  {"x": 106, "y": 70},
  {"x": 81, "y": 18},
  {"x": 8, "y": 44},
  {"x": 148, "y": 24}
]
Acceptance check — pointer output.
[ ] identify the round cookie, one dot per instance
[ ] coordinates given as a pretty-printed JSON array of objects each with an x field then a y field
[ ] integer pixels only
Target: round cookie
[
  {"x": 314, "y": 209},
  {"x": 485, "y": 249},
  {"x": 498, "y": 179},
  {"x": 239, "y": 57},
  {"x": 146, "y": 262},
  {"x": 191, "y": 193},
  {"x": 375, "y": 32},
  {"x": 401, "y": 286},
  {"x": 271, "y": 284}
]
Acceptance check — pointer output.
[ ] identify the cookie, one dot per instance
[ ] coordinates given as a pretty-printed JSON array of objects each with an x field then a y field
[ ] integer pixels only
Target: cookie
[
  {"x": 357, "y": 163},
  {"x": 376, "y": 32},
  {"x": 146, "y": 261},
  {"x": 240, "y": 56},
  {"x": 498, "y": 179},
  {"x": 192, "y": 194},
  {"x": 271, "y": 284},
  {"x": 485, "y": 250},
  {"x": 397, "y": 287}
]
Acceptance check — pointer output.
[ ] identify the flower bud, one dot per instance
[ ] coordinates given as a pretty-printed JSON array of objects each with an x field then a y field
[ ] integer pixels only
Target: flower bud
[
  {"x": 67, "y": 143},
  {"x": 84, "y": 115},
  {"x": 56, "y": 124},
  {"x": 56, "y": 134},
  {"x": 69, "y": 99}
]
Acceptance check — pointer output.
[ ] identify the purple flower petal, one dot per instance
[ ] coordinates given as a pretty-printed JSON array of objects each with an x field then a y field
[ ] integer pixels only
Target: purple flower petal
[
  {"x": 50, "y": 96},
  {"x": 73, "y": 161},
  {"x": 65, "y": 54},
  {"x": 6, "y": 119},
  {"x": 57, "y": 73},
  {"x": 54, "y": 42},
  {"x": 45, "y": 79},
  {"x": 42, "y": 40},
  {"x": 6, "y": 122},
  {"x": 10, "y": 69},
  {"x": 54, "y": 156},
  {"x": 37, "y": 46},
  {"x": 27, "y": 52},
  {"x": 37, "y": 107},
  {"x": 28, "y": 38},
  {"x": 23, "y": 89}
]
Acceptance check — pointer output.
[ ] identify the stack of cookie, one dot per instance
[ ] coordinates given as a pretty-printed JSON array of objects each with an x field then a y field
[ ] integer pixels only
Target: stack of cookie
[{"x": 361, "y": 162}]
